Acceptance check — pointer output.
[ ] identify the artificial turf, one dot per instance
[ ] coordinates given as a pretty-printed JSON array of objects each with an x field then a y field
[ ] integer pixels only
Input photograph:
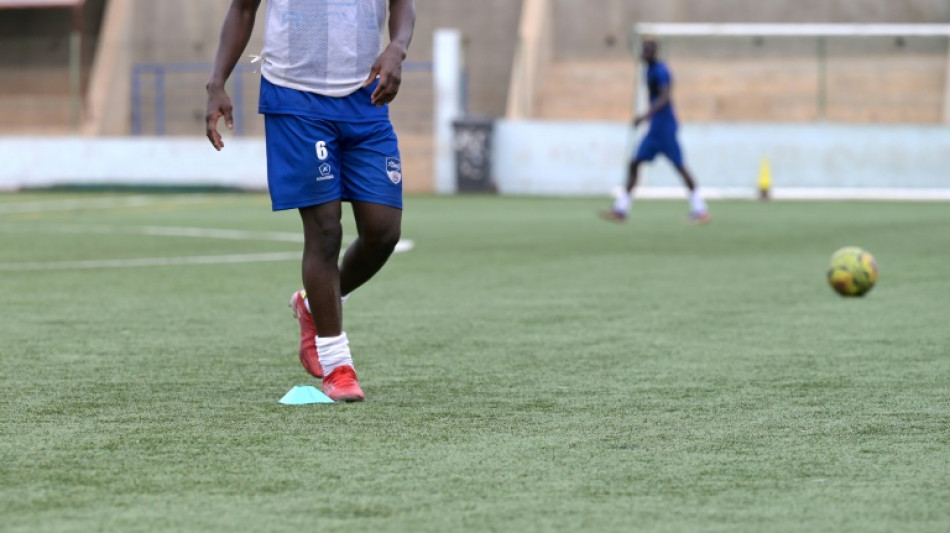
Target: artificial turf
[{"x": 527, "y": 366}]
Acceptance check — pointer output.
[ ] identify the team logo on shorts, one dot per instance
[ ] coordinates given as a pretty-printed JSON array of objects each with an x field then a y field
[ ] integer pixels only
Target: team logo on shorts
[
  {"x": 394, "y": 170},
  {"x": 326, "y": 172}
]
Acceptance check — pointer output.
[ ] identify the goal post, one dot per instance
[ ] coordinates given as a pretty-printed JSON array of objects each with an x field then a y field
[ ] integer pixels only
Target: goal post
[{"x": 861, "y": 73}]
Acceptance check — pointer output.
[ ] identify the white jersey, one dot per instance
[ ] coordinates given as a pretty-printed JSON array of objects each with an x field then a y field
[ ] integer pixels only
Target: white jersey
[{"x": 322, "y": 46}]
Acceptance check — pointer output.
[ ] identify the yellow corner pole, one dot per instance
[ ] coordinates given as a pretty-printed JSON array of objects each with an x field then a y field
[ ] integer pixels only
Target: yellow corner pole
[{"x": 765, "y": 179}]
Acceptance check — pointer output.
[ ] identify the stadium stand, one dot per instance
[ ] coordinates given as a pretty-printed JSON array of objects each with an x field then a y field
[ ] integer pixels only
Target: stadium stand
[
  {"x": 35, "y": 52},
  {"x": 740, "y": 80},
  {"x": 40, "y": 38}
]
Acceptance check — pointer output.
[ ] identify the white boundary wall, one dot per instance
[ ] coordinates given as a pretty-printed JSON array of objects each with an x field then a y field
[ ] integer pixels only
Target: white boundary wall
[
  {"x": 809, "y": 161},
  {"x": 547, "y": 158},
  {"x": 160, "y": 161}
]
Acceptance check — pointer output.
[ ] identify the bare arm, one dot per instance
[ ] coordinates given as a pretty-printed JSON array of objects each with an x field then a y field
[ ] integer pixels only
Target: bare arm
[
  {"x": 388, "y": 66},
  {"x": 655, "y": 106},
  {"x": 235, "y": 33}
]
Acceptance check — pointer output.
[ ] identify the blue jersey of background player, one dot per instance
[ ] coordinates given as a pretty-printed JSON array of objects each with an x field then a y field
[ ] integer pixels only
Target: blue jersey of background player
[
  {"x": 324, "y": 90},
  {"x": 659, "y": 81},
  {"x": 660, "y": 138}
]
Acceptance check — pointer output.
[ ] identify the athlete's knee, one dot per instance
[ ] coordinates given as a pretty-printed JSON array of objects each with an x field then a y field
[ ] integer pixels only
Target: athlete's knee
[
  {"x": 381, "y": 237},
  {"x": 379, "y": 226},
  {"x": 324, "y": 246},
  {"x": 323, "y": 235}
]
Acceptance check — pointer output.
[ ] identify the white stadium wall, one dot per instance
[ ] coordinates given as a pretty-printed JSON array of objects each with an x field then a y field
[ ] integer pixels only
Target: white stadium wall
[
  {"x": 579, "y": 158},
  {"x": 546, "y": 158},
  {"x": 32, "y": 162}
]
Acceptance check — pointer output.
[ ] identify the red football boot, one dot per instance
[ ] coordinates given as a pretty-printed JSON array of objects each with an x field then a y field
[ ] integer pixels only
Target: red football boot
[
  {"x": 308, "y": 334},
  {"x": 341, "y": 385},
  {"x": 699, "y": 218},
  {"x": 613, "y": 215}
]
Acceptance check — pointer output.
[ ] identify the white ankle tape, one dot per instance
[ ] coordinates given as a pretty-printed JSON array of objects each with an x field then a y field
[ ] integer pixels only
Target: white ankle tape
[{"x": 334, "y": 352}]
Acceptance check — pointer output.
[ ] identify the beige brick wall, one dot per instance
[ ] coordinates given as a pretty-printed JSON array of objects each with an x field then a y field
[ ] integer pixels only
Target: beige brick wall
[
  {"x": 34, "y": 66},
  {"x": 583, "y": 27}
]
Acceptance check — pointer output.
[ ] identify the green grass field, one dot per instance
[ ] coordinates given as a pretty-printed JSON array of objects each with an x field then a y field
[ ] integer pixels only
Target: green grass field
[{"x": 528, "y": 367}]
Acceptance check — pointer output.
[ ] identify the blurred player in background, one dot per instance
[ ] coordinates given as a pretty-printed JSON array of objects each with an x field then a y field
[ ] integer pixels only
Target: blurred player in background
[
  {"x": 324, "y": 92},
  {"x": 660, "y": 139}
]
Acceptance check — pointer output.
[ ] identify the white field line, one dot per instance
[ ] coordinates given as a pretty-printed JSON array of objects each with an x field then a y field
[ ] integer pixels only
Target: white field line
[
  {"x": 152, "y": 261},
  {"x": 802, "y": 193},
  {"x": 210, "y": 233},
  {"x": 403, "y": 245},
  {"x": 73, "y": 205},
  {"x": 83, "y": 204},
  {"x": 170, "y": 231}
]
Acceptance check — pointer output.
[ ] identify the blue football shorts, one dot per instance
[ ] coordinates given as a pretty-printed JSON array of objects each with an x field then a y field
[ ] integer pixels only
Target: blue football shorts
[
  {"x": 660, "y": 141},
  {"x": 313, "y": 161}
]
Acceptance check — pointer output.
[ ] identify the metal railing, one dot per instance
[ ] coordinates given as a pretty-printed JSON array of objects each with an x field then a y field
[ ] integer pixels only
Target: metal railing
[{"x": 151, "y": 83}]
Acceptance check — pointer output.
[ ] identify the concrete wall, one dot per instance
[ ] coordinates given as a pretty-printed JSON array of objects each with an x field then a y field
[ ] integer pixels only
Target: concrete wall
[
  {"x": 34, "y": 62},
  {"x": 879, "y": 80},
  {"x": 490, "y": 29},
  {"x": 46, "y": 161},
  {"x": 34, "y": 45},
  {"x": 545, "y": 158},
  {"x": 572, "y": 158},
  {"x": 126, "y": 161},
  {"x": 185, "y": 31},
  {"x": 597, "y": 29}
]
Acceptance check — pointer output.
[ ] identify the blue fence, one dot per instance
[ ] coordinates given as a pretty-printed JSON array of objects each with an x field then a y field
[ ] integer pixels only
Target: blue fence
[
  {"x": 151, "y": 83},
  {"x": 158, "y": 73}
]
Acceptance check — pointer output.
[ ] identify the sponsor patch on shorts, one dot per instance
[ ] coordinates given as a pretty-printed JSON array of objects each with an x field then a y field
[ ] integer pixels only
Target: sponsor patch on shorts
[{"x": 394, "y": 170}]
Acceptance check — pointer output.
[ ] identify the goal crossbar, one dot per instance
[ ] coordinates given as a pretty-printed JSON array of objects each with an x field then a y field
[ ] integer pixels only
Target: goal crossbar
[{"x": 792, "y": 30}]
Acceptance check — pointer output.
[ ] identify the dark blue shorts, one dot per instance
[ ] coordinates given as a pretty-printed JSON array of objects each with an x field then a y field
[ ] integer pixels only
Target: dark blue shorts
[
  {"x": 312, "y": 161},
  {"x": 662, "y": 141}
]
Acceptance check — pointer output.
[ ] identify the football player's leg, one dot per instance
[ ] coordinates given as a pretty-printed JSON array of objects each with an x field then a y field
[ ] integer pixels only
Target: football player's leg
[
  {"x": 698, "y": 211},
  {"x": 378, "y": 229},
  {"x": 372, "y": 173},
  {"x": 649, "y": 147},
  {"x": 687, "y": 177},
  {"x": 623, "y": 197},
  {"x": 674, "y": 153},
  {"x": 633, "y": 174},
  {"x": 645, "y": 152},
  {"x": 303, "y": 172},
  {"x": 322, "y": 235}
]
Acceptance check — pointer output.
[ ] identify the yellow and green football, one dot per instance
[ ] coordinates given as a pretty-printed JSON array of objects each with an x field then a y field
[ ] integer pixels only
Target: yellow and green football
[{"x": 853, "y": 271}]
